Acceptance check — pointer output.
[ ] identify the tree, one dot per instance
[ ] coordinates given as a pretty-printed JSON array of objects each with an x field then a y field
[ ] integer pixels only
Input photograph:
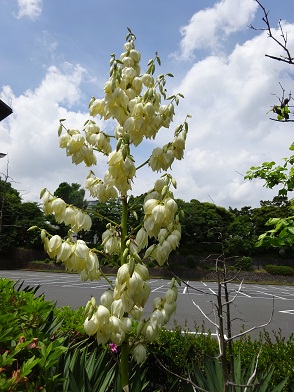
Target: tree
[
  {"x": 71, "y": 194},
  {"x": 202, "y": 224},
  {"x": 30, "y": 214},
  {"x": 10, "y": 203},
  {"x": 282, "y": 176}
]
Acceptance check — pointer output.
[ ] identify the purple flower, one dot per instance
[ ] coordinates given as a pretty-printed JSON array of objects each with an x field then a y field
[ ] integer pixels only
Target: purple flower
[{"x": 113, "y": 347}]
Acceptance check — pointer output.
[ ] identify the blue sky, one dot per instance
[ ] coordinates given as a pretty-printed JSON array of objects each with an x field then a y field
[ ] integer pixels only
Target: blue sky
[{"x": 55, "y": 56}]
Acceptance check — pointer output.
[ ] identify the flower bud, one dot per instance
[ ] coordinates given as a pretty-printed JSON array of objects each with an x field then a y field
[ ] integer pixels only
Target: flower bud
[
  {"x": 103, "y": 314},
  {"x": 91, "y": 326},
  {"x": 54, "y": 244},
  {"x": 149, "y": 206},
  {"x": 171, "y": 295},
  {"x": 123, "y": 274},
  {"x": 157, "y": 302},
  {"x": 117, "y": 308},
  {"x": 139, "y": 353},
  {"x": 58, "y": 205},
  {"x": 106, "y": 299},
  {"x": 141, "y": 239},
  {"x": 126, "y": 324}
]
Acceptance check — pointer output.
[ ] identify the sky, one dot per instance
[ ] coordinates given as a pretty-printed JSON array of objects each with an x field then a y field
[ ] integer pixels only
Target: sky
[{"x": 55, "y": 57}]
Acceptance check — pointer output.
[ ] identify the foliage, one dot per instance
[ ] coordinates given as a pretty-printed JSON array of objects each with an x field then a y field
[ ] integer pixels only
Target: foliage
[
  {"x": 29, "y": 345},
  {"x": 29, "y": 214},
  {"x": 279, "y": 270},
  {"x": 10, "y": 203},
  {"x": 212, "y": 379},
  {"x": 243, "y": 263},
  {"x": 72, "y": 321},
  {"x": 15, "y": 219},
  {"x": 87, "y": 370},
  {"x": 51, "y": 362},
  {"x": 274, "y": 175},
  {"x": 178, "y": 351},
  {"x": 240, "y": 227},
  {"x": 202, "y": 224},
  {"x": 71, "y": 194},
  {"x": 274, "y": 349}
]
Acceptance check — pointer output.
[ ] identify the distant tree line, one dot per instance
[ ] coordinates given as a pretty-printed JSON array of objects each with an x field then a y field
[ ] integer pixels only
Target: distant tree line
[{"x": 206, "y": 228}]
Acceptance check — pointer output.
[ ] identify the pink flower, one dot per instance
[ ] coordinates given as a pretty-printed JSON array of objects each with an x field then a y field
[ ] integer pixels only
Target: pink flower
[{"x": 113, "y": 347}]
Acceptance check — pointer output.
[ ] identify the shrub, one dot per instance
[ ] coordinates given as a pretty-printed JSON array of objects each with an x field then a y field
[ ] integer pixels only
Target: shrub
[
  {"x": 177, "y": 351},
  {"x": 279, "y": 269},
  {"x": 243, "y": 264},
  {"x": 30, "y": 346},
  {"x": 274, "y": 349}
]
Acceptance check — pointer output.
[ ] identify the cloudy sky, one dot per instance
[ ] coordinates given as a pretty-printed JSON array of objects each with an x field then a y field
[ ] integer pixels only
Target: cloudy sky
[{"x": 55, "y": 56}]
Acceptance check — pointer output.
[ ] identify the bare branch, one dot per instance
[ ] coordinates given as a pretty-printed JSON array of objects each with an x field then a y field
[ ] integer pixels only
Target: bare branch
[
  {"x": 254, "y": 372},
  {"x": 197, "y": 388},
  {"x": 255, "y": 327},
  {"x": 280, "y": 42}
]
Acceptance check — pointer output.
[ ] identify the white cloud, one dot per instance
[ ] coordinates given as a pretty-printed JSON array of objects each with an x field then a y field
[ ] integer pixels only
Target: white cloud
[
  {"x": 229, "y": 131},
  {"x": 207, "y": 28},
  {"x": 29, "y": 135},
  {"x": 31, "y": 9}
]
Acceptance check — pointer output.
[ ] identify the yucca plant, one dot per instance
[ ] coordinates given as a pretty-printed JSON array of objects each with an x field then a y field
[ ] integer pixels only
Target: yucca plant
[
  {"x": 91, "y": 369},
  {"x": 244, "y": 379}
]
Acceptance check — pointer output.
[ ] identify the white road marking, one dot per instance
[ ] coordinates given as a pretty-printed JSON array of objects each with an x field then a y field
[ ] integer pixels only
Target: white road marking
[
  {"x": 272, "y": 295},
  {"x": 287, "y": 311},
  {"x": 246, "y": 295},
  {"x": 157, "y": 288},
  {"x": 185, "y": 288}
]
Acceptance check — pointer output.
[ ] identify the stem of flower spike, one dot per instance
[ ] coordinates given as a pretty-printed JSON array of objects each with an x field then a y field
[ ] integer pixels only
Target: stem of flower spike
[{"x": 124, "y": 356}]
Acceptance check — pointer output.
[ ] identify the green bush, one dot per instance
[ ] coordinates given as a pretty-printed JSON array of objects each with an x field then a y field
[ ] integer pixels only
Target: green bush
[
  {"x": 274, "y": 350},
  {"x": 243, "y": 263},
  {"x": 177, "y": 351},
  {"x": 30, "y": 347},
  {"x": 279, "y": 270}
]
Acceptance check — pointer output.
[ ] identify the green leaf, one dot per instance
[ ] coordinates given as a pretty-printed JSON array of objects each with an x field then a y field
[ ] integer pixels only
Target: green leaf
[
  {"x": 42, "y": 192},
  {"x": 32, "y": 228}
]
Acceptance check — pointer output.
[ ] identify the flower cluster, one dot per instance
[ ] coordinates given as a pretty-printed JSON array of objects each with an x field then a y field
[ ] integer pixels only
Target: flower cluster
[
  {"x": 81, "y": 148},
  {"x": 109, "y": 321},
  {"x": 97, "y": 139},
  {"x": 97, "y": 188},
  {"x": 133, "y": 99},
  {"x": 140, "y": 106},
  {"x": 76, "y": 256},
  {"x": 161, "y": 221},
  {"x": 64, "y": 213},
  {"x": 163, "y": 308},
  {"x": 162, "y": 158},
  {"x": 121, "y": 171},
  {"x": 111, "y": 240},
  {"x": 77, "y": 148}
]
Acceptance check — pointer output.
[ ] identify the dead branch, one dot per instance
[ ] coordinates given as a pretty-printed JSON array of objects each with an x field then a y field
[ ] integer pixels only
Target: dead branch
[{"x": 282, "y": 42}]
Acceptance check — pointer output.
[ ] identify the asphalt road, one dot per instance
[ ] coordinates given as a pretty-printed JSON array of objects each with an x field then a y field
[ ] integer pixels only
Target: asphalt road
[{"x": 252, "y": 307}]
